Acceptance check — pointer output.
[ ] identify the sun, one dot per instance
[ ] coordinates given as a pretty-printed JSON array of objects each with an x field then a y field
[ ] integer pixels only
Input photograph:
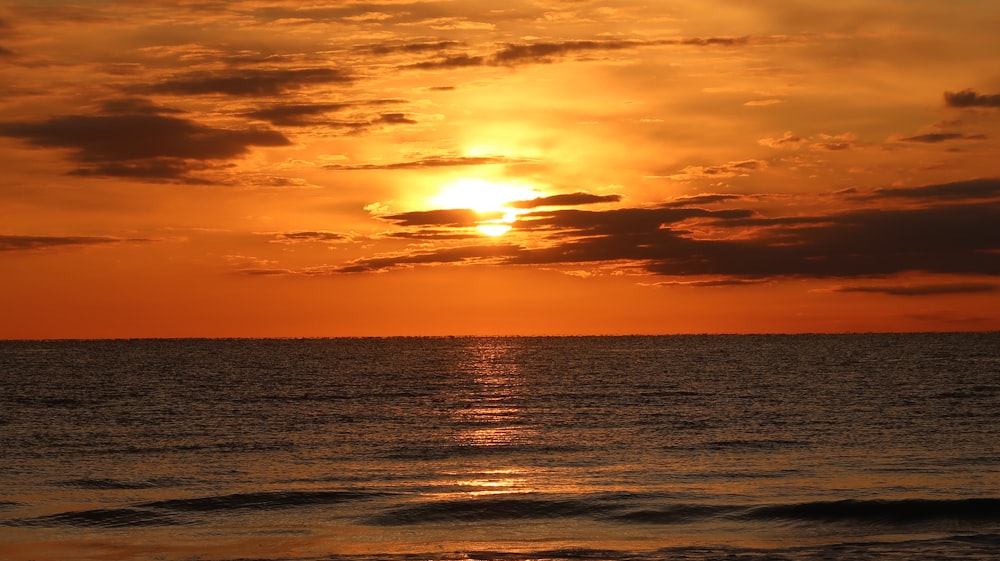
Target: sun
[{"x": 485, "y": 196}]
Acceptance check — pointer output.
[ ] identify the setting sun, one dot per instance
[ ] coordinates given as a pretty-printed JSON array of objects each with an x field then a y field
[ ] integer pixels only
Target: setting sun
[{"x": 485, "y": 196}]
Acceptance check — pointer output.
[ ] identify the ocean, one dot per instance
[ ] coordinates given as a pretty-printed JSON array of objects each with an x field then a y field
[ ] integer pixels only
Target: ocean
[{"x": 692, "y": 448}]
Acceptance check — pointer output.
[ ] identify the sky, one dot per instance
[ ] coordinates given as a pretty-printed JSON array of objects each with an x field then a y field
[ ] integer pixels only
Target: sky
[{"x": 265, "y": 168}]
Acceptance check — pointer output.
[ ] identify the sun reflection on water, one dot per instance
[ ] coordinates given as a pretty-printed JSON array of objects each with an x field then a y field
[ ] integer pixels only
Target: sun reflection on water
[{"x": 489, "y": 416}]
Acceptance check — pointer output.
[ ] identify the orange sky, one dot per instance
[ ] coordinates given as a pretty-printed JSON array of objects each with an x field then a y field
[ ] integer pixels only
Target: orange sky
[{"x": 275, "y": 168}]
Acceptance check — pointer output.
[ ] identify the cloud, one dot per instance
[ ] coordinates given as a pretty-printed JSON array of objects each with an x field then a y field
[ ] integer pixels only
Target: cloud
[
  {"x": 433, "y": 234},
  {"x": 247, "y": 82},
  {"x": 311, "y": 236},
  {"x": 787, "y": 141},
  {"x": 935, "y": 137},
  {"x": 474, "y": 253},
  {"x": 142, "y": 144},
  {"x": 545, "y": 52},
  {"x": 969, "y": 98},
  {"x": 741, "y": 244},
  {"x": 458, "y": 217},
  {"x": 619, "y": 222},
  {"x": 924, "y": 289},
  {"x": 705, "y": 199},
  {"x": 566, "y": 199},
  {"x": 305, "y": 114},
  {"x": 961, "y": 190},
  {"x": 384, "y": 49},
  {"x": 709, "y": 283},
  {"x": 296, "y": 114},
  {"x": 29, "y": 243},
  {"x": 431, "y": 162},
  {"x": 729, "y": 169}
]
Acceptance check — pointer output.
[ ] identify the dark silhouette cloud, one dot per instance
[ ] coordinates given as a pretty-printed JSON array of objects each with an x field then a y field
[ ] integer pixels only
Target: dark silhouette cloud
[
  {"x": 143, "y": 145},
  {"x": 924, "y": 289},
  {"x": 544, "y": 52},
  {"x": 739, "y": 244},
  {"x": 622, "y": 221},
  {"x": 305, "y": 114},
  {"x": 135, "y": 106},
  {"x": 458, "y": 217},
  {"x": 969, "y": 98},
  {"x": 431, "y": 162},
  {"x": 296, "y": 114},
  {"x": 477, "y": 253},
  {"x": 451, "y": 61},
  {"x": 247, "y": 82},
  {"x": 935, "y": 137},
  {"x": 566, "y": 199},
  {"x": 27, "y": 243},
  {"x": 410, "y": 47},
  {"x": 711, "y": 283},
  {"x": 973, "y": 189},
  {"x": 706, "y": 199},
  {"x": 314, "y": 236},
  {"x": 395, "y": 119},
  {"x": 433, "y": 234}
]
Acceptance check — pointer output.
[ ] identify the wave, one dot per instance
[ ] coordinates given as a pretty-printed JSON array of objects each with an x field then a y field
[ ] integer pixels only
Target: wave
[
  {"x": 171, "y": 512},
  {"x": 266, "y": 500},
  {"x": 100, "y": 517},
  {"x": 619, "y": 509},
  {"x": 110, "y": 484},
  {"x": 492, "y": 508},
  {"x": 903, "y": 511}
]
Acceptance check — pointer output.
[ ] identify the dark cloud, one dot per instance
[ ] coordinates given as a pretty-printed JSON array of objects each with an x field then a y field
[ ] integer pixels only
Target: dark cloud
[
  {"x": 453, "y": 61},
  {"x": 969, "y": 98},
  {"x": 27, "y": 243},
  {"x": 135, "y": 106},
  {"x": 410, "y": 47},
  {"x": 304, "y": 114},
  {"x": 395, "y": 119},
  {"x": 248, "y": 82},
  {"x": 433, "y": 234},
  {"x": 5, "y": 51},
  {"x": 566, "y": 199},
  {"x": 742, "y": 245},
  {"x": 711, "y": 283},
  {"x": 924, "y": 289},
  {"x": 313, "y": 236},
  {"x": 476, "y": 253},
  {"x": 622, "y": 221},
  {"x": 431, "y": 162},
  {"x": 832, "y": 146},
  {"x": 142, "y": 145},
  {"x": 543, "y": 52},
  {"x": 700, "y": 200},
  {"x": 960, "y": 190},
  {"x": 935, "y": 137},
  {"x": 296, "y": 114},
  {"x": 729, "y": 169},
  {"x": 458, "y": 217}
]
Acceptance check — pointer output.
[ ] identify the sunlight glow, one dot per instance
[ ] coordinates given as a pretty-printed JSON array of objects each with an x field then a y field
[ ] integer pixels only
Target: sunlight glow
[{"x": 485, "y": 196}]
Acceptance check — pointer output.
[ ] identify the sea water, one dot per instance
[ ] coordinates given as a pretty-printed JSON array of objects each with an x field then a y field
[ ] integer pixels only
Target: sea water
[{"x": 878, "y": 446}]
